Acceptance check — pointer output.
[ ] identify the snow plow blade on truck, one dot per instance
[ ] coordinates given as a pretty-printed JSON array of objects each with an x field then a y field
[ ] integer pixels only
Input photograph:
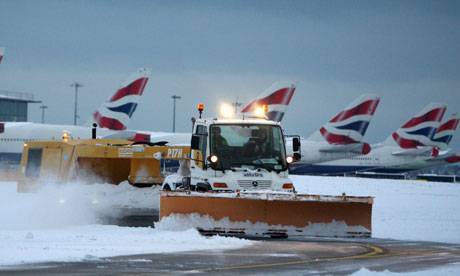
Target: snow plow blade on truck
[
  {"x": 239, "y": 185},
  {"x": 270, "y": 214}
]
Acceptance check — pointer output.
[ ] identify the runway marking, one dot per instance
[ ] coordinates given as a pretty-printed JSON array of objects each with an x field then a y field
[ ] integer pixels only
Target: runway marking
[{"x": 374, "y": 252}]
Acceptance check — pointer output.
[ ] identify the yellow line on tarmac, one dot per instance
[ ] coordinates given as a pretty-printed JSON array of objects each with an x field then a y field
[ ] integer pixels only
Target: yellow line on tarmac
[{"x": 374, "y": 251}]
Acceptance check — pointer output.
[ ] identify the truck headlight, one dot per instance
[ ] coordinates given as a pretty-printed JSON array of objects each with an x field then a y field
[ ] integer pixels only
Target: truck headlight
[{"x": 213, "y": 159}]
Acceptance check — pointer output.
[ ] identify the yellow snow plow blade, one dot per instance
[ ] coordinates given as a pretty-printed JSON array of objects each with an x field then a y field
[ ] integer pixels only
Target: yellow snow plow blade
[{"x": 270, "y": 214}]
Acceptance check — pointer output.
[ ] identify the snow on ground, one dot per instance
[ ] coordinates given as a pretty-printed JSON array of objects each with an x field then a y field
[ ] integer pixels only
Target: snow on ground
[
  {"x": 59, "y": 223},
  {"x": 403, "y": 209},
  {"x": 453, "y": 269},
  {"x": 57, "y": 205},
  {"x": 89, "y": 242}
]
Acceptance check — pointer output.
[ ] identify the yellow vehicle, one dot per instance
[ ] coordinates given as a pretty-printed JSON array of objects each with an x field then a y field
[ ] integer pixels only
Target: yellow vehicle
[{"x": 96, "y": 160}]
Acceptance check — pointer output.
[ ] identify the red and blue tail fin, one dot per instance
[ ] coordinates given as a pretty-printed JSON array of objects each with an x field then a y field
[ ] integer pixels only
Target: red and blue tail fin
[
  {"x": 117, "y": 111},
  {"x": 277, "y": 98},
  {"x": 350, "y": 125},
  {"x": 445, "y": 132},
  {"x": 420, "y": 129}
]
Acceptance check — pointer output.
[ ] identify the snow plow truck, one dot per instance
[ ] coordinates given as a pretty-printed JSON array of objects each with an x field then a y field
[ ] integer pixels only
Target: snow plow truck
[{"x": 233, "y": 179}]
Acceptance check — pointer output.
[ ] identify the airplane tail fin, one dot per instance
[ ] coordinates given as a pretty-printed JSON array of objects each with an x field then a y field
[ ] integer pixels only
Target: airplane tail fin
[
  {"x": 2, "y": 53},
  {"x": 116, "y": 112},
  {"x": 419, "y": 130},
  {"x": 277, "y": 98},
  {"x": 350, "y": 125},
  {"x": 445, "y": 132}
]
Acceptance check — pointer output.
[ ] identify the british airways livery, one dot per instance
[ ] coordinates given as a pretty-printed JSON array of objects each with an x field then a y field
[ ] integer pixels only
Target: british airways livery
[
  {"x": 111, "y": 117},
  {"x": 117, "y": 111},
  {"x": 342, "y": 136},
  {"x": 404, "y": 146},
  {"x": 445, "y": 132},
  {"x": 440, "y": 140},
  {"x": 276, "y": 98}
]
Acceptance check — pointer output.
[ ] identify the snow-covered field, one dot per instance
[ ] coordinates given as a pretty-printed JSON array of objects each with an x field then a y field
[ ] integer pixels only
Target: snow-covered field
[
  {"x": 66, "y": 205},
  {"x": 60, "y": 223},
  {"x": 403, "y": 209},
  {"x": 89, "y": 242},
  {"x": 452, "y": 269}
]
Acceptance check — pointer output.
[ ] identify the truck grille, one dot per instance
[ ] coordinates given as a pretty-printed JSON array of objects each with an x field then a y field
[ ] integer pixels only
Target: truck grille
[{"x": 258, "y": 185}]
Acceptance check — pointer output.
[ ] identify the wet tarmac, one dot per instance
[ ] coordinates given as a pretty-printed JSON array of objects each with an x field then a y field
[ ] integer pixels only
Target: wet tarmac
[{"x": 302, "y": 256}]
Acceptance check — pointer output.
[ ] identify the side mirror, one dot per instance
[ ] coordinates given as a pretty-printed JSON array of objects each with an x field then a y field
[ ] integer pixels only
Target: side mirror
[
  {"x": 296, "y": 156},
  {"x": 295, "y": 144},
  {"x": 195, "y": 143}
]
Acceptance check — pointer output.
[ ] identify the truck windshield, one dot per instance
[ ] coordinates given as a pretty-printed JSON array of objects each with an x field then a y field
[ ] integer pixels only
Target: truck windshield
[{"x": 248, "y": 145}]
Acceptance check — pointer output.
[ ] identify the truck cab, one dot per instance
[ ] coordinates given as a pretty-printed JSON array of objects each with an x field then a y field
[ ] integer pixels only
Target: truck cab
[{"x": 238, "y": 154}]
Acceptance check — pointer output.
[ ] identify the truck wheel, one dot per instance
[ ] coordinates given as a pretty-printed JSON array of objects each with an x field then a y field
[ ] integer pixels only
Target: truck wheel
[
  {"x": 166, "y": 187},
  {"x": 203, "y": 187}
]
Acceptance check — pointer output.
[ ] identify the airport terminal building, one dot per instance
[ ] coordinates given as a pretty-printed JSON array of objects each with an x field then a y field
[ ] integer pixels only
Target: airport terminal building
[{"x": 13, "y": 106}]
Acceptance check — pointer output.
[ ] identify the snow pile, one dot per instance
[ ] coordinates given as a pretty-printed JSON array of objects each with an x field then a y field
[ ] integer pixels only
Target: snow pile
[
  {"x": 97, "y": 241},
  {"x": 56, "y": 205},
  {"x": 56, "y": 223},
  {"x": 182, "y": 222},
  {"x": 403, "y": 209}
]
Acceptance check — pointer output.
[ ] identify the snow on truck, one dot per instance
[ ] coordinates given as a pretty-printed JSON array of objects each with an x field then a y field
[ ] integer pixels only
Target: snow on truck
[{"x": 233, "y": 180}]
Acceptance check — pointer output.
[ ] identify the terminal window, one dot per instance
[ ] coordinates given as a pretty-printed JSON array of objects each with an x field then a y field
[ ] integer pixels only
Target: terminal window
[{"x": 13, "y": 111}]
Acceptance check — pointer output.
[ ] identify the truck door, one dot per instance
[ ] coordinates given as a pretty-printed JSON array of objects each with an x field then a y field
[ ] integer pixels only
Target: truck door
[{"x": 200, "y": 154}]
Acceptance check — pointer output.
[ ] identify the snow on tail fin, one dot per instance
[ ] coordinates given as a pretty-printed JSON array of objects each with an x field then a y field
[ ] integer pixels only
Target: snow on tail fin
[
  {"x": 2, "y": 53},
  {"x": 277, "y": 98},
  {"x": 115, "y": 113},
  {"x": 445, "y": 132},
  {"x": 419, "y": 130},
  {"x": 350, "y": 125}
]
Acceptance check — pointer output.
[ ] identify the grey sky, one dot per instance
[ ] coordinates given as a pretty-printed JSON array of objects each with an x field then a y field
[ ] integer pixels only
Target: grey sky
[{"x": 405, "y": 51}]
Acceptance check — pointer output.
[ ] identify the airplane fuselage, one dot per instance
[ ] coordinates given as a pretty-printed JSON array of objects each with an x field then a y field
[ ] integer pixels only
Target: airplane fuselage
[
  {"x": 321, "y": 151},
  {"x": 380, "y": 159}
]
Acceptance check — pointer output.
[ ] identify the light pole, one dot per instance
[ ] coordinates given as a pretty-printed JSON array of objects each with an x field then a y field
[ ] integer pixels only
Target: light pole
[
  {"x": 236, "y": 104},
  {"x": 43, "y": 107},
  {"x": 174, "y": 97},
  {"x": 76, "y": 85}
]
